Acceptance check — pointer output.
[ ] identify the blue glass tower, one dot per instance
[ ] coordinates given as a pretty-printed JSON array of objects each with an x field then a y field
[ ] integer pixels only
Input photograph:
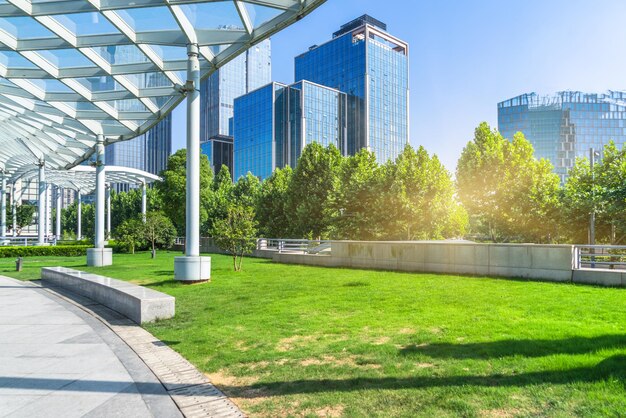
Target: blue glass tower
[
  {"x": 273, "y": 124},
  {"x": 244, "y": 74},
  {"x": 372, "y": 67},
  {"x": 566, "y": 125}
]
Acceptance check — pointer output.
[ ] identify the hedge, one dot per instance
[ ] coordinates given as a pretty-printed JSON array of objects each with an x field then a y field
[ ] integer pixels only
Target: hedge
[{"x": 53, "y": 250}]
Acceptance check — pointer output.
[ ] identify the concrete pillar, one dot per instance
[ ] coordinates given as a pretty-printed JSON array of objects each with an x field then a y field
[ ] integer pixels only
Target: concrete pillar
[
  {"x": 14, "y": 210},
  {"x": 99, "y": 256},
  {"x": 41, "y": 203},
  {"x": 3, "y": 207},
  {"x": 108, "y": 194},
  {"x": 59, "y": 209},
  {"x": 79, "y": 215},
  {"x": 144, "y": 201},
  {"x": 192, "y": 267}
]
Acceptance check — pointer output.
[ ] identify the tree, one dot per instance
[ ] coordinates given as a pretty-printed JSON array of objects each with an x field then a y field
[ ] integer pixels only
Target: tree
[
  {"x": 69, "y": 220},
  {"x": 130, "y": 233},
  {"x": 220, "y": 198},
  {"x": 158, "y": 230},
  {"x": 174, "y": 192},
  {"x": 247, "y": 190},
  {"x": 24, "y": 216},
  {"x": 309, "y": 190},
  {"x": 235, "y": 233},
  {"x": 509, "y": 194},
  {"x": 355, "y": 195},
  {"x": 417, "y": 198},
  {"x": 126, "y": 205},
  {"x": 272, "y": 211}
]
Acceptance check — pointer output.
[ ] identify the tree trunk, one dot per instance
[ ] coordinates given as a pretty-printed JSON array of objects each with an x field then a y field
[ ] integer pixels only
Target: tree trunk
[{"x": 235, "y": 261}]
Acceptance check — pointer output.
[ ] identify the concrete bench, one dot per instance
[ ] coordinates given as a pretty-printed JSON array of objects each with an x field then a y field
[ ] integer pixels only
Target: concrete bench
[{"x": 138, "y": 303}]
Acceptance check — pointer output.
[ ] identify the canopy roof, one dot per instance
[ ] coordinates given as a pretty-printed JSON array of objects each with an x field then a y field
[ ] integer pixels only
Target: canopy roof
[
  {"x": 73, "y": 69},
  {"x": 83, "y": 178}
]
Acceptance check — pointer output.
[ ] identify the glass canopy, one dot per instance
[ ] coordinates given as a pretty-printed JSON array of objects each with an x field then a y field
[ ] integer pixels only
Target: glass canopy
[{"x": 74, "y": 69}]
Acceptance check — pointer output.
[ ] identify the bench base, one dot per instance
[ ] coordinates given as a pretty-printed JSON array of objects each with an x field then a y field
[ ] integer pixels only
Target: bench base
[
  {"x": 192, "y": 269},
  {"x": 99, "y": 257}
]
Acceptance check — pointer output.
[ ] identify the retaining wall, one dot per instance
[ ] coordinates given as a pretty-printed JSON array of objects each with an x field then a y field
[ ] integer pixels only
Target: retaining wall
[{"x": 538, "y": 262}]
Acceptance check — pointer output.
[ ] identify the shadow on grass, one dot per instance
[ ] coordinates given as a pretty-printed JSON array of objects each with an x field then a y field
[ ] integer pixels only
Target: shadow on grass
[
  {"x": 162, "y": 283},
  {"x": 526, "y": 348},
  {"x": 612, "y": 367}
]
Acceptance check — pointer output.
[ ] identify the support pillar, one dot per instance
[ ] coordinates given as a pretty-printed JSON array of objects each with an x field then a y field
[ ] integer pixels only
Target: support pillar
[
  {"x": 192, "y": 268},
  {"x": 14, "y": 210},
  {"x": 57, "y": 229},
  {"x": 3, "y": 207},
  {"x": 108, "y": 228},
  {"x": 48, "y": 207},
  {"x": 79, "y": 216},
  {"x": 41, "y": 203},
  {"x": 99, "y": 256},
  {"x": 144, "y": 201}
]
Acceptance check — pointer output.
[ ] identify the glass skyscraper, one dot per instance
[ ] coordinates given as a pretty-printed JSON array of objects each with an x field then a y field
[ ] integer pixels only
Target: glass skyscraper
[
  {"x": 249, "y": 71},
  {"x": 273, "y": 124},
  {"x": 566, "y": 125},
  {"x": 372, "y": 68}
]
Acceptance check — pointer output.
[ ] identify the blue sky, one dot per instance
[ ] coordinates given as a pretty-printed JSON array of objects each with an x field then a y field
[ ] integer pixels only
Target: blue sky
[{"x": 466, "y": 56}]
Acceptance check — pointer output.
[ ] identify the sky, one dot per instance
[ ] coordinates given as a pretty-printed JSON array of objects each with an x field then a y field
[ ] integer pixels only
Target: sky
[{"x": 467, "y": 55}]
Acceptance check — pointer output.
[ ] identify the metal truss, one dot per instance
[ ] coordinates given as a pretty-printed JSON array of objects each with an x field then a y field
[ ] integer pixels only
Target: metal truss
[{"x": 74, "y": 69}]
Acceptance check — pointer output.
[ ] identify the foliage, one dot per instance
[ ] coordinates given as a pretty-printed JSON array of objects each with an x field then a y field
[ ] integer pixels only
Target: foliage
[
  {"x": 173, "y": 188},
  {"x": 508, "y": 194},
  {"x": 417, "y": 198},
  {"x": 130, "y": 234},
  {"x": 52, "y": 250},
  {"x": 158, "y": 230},
  {"x": 272, "y": 211},
  {"x": 127, "y": 205},
  {"x": 69, "y": 220},
  {"x": 235, "y": 233},
  {"x": 310, "y": 188},
  {"x": 220, "y": 198},
  {"x": 24, "y": 216}
]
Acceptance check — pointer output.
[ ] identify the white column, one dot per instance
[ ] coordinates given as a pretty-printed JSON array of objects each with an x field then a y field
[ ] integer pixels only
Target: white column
[
  {"x": 192, "y": 267},
  {"x": 144, "y": 201},
  {"x": 3, "y": 207},
  {"x": 192, "y": 236},
  {"x": 108, "y": 229},
  {"x": 59, "y": 208},
  {"x": 100, "y": 181},
  {"x": 48, "y": 207},
  {"x": 14, "y": 209},
  {"x": 41, "y": 203},
  {"x": 79, "y": 216}
]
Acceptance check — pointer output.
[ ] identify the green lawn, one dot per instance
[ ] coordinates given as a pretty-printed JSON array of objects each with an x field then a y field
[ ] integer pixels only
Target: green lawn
[{"x": 302, "y": 341}]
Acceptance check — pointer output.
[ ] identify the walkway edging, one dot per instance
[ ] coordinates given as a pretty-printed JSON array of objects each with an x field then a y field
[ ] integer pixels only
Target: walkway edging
[{"x": 189, "y": 388}]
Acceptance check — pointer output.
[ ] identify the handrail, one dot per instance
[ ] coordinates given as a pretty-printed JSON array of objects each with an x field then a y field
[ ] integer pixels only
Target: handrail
[{"x": 600, "y": 256}]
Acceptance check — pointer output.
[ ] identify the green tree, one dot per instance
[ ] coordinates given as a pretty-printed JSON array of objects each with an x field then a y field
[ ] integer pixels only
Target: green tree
[
  {"x": 236, "y": 232},
  {"x": 246, "y": 190},
  {"x": 355, "y": 195},
  {"x": 310, "y": 188},
  {"x": 173, "y": 188},
  {"x": 24, "y": 216},
  {"x": 509, "y": 194},
  {"x": 220, "y": 198},
  {"x": 69, "y": 220},
  {"x": 418, "y": 198},
  {"x": 130, "y": 233},
  {"x": 272, "y": 211},
  {"x": 158, "y": 229}
]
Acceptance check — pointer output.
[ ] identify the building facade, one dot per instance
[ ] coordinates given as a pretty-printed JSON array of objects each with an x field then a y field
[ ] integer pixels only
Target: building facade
[
  {"x": 566, "y": 125},
  {"x": 249, "y": 71},
  {"x": 273, "y": 124},
  {"x": 372, "y": 67}
]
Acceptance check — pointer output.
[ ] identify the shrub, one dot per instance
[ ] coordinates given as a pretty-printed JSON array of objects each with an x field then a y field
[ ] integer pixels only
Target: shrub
[{"x": 55, "y": 250}]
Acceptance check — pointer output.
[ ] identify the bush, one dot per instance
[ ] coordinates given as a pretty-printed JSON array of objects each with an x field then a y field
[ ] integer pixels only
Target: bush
[
  {"x": 55, "y": 250},
  {"x": 73, "y": 243}
]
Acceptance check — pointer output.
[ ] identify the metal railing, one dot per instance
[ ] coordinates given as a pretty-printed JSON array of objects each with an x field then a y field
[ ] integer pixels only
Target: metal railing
[
  {"x": 25, "y": 241},
  {"x": 303, "y": 246},
  {"x": 600, "y": 256}
]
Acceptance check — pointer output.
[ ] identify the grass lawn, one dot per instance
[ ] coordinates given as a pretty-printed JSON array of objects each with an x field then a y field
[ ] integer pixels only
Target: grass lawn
[{"x": 303, "y": 341}]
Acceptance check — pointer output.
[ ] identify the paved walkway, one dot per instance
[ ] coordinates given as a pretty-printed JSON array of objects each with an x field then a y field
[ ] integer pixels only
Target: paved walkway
[{"x": 58, "y": 361}]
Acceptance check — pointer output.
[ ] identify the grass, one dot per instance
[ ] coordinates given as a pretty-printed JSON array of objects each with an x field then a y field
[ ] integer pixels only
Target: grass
[{"x": 303, "y": 341}]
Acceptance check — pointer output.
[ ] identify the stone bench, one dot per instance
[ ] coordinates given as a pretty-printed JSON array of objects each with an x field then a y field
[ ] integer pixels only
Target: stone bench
[{"x": 138, "y": 303}]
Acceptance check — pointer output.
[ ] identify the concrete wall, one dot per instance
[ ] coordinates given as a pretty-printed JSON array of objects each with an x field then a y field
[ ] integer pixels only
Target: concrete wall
[
  {"x": 602, "y": 277},
  {"x": 538, "y": 262}
]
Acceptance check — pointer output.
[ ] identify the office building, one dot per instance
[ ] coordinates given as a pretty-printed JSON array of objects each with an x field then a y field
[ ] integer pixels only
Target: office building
[
  {"x": 372, "y": 67},
  {"x": 566, "y": 125},
  {"x": 249, "y": 71},
  {"x": 274, "y": 123}
]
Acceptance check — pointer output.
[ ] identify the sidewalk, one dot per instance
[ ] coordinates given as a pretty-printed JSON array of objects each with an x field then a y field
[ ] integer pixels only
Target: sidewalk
[{"x": 58, "y": 361}]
